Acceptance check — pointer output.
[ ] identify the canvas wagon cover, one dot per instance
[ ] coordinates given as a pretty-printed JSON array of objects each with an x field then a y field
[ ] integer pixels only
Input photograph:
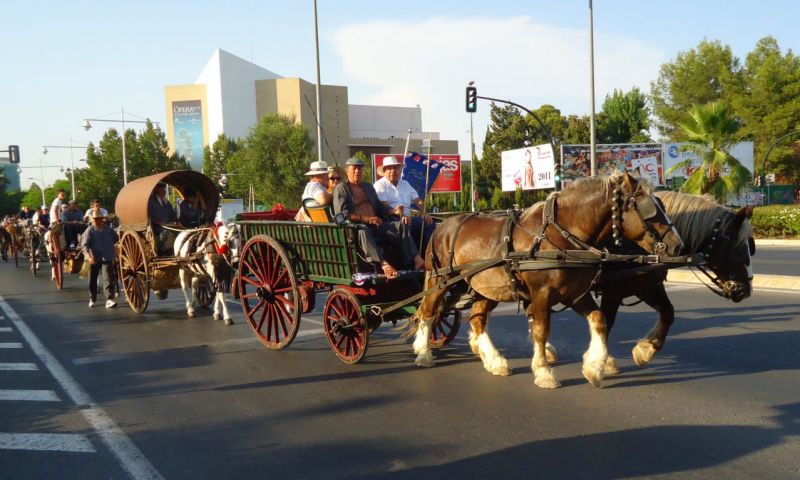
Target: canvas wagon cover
[{"x": 131, "y": 204}]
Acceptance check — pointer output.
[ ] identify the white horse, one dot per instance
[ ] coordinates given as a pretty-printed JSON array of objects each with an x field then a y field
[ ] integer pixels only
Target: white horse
[{"x": 208, "y": 252}]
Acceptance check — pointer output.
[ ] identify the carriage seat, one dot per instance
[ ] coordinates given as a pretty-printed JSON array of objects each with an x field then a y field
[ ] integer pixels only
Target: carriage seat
[{"x": 317, "y": 213}]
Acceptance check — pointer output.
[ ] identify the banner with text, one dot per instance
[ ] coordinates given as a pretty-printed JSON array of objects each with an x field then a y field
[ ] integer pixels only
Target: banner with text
[
  {"x": 445, "y": 169},
  {"x": 640, "y": 159},
  {"x": 529, "y": 168},
  {"x": 674, "y": 153},
  {"x": 187, "y": 126}
]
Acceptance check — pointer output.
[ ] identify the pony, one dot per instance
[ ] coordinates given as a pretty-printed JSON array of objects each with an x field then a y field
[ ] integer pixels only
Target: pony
[
  {"x": 62, "y": 246},
  {"x": 584, "y": 215},
  {"x": 724, "y": 238},
  {"x": 207, "y": 252}
]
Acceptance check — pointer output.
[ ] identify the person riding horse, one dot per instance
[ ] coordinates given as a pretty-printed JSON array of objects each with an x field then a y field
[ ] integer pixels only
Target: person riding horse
[{"x": 161, "y": 213}]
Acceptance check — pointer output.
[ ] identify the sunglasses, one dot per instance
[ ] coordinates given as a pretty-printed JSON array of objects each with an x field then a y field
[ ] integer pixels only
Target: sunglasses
[{"x": 335, "y": 179}]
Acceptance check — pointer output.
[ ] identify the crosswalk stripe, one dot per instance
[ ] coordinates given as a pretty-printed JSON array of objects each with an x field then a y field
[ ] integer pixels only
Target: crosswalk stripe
[
  {"x": 18, "y": 366},
  {"x": 29, "y": 395},
  {"x": 5, "y": 329},
  {"x": 11, "y": 345},
  {"x": 58, "y": 442}
]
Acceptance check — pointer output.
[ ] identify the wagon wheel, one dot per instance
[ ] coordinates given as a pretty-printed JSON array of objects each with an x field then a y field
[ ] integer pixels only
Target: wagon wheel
[
  {"x": 268, "y": 292},
  {"x": 445, "y": 329},
  {"x": 345, "y": 326},
  {"x": 15, "y": 248},
  {"x": 134, "y": 271},
  {"x": 57, "y": 261},
  {"x": 204, "y": 292}
]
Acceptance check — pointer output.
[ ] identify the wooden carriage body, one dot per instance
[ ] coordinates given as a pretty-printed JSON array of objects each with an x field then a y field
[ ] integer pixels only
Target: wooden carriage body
[
  {"x": 284, "y": 264},
  {"x": 141, "y": 268}
]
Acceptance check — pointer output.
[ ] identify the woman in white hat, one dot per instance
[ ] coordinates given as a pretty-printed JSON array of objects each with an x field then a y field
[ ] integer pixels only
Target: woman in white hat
[{"x": 316, "y": 188}]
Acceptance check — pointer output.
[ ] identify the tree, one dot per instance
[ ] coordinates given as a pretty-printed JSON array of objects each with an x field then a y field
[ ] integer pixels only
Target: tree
[
  {"x": 702, "y": 75},
  {"x": 711, "y": 133},
  {"x": 216, "y": 157},
  {"x": 624, "y": 118},
  {"x": 32, "y": 197},
  {"x": 272, "y": 159},
  {"x": 771, "y": 106}
]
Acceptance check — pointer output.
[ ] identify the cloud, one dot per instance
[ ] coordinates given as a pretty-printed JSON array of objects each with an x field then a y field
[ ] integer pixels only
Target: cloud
[{"x": 516, "y": 58}]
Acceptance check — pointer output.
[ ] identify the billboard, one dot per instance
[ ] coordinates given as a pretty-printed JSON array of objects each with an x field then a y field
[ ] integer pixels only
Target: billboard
[
  {"x": 641, "y": 159},
  {"x": 187, "y": 125},
  {"x": 529, "y": 168},
  {"x": 449, "y": 176},
  {"x": 674, "y": 153}
]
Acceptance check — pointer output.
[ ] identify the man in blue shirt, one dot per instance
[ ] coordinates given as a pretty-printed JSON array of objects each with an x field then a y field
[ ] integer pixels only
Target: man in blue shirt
[
  {"x": 98, "y": 247},
  {"x": 72, "y": 221}
]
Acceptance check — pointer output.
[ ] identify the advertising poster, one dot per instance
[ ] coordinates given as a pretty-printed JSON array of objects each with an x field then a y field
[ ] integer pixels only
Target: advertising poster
[
  {"x": 446, "y": 169},
  {"x": 674, "y": 153},
  {"x": 187, "y": 125},
  {"x": 529, "y": 168},
  {"x": 575, "y": 160}
]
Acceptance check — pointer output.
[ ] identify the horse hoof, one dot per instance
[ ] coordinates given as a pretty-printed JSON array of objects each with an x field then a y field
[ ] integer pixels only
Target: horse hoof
[
  {"x": 498, "y": 366},
  {"x": 551, "y": 353},
  {"x": 228, "y": 321},
  {"x": 611, "y": 367},
  {"x": 190, "y": 313},
  {"x": 643, "y": 352},
  {"x": 424, "y": 360},
  {"x": 593, "y": 374},
  {"x": 217, "y": 317},
  {"x": 546, "y": 381}
]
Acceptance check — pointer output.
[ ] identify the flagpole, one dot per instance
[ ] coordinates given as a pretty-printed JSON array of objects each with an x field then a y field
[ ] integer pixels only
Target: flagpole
[
  {"x": 408, "y": 140},
  {"x": 427, "y": 195}
]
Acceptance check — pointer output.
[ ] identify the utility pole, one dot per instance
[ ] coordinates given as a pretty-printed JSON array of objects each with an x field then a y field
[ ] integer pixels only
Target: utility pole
[
  {"x": 319, "y": 102},
  {"x": 592, "y": 145}
]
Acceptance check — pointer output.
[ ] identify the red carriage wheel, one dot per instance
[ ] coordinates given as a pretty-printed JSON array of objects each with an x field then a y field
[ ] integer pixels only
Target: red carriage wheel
[
  {"x": 133, "y": 270},
  {"x": 345, "y": 326},
  {"x": 446, "y": 329},
  {"x": 268, "y": 292},
  {"x": 56, "y": 261}
]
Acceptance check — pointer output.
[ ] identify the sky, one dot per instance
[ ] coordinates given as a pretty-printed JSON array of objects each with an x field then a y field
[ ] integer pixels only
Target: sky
[{"x": 66, "y": 61}]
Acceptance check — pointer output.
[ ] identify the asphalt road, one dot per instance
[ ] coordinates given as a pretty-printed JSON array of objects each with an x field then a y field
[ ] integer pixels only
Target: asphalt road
[
  {"x": 163, "y": 396},
  {"x": 771, "y": 260}
]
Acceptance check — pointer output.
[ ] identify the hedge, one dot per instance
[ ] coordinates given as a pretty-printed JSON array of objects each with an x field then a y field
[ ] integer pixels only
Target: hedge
[{"x": 776, "y": 221}]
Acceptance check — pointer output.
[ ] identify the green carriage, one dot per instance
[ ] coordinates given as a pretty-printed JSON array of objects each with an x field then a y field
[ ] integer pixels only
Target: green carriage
[{"x": 284, "y": 264}]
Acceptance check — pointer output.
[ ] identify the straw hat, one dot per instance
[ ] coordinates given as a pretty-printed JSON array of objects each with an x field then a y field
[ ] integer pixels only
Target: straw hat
[
  {"x": 388, "y": 162},
  {"x": 97, "y": 214},
  {"x": 318, "y": 168}
]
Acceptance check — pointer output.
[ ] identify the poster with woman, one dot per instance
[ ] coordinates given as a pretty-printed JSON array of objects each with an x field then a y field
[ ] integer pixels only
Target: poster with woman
[{"x": 529, "y": 168}]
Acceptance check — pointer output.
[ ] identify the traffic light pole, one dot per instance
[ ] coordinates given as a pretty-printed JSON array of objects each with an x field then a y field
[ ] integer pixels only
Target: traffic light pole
[{"x": 544, "y": 127}]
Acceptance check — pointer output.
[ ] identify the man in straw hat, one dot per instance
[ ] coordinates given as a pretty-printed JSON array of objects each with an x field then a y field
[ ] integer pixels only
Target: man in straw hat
[
  {"x": 398, "y": 196},
  {"x": 315, "y": 188},
  {"x": 98, "y": 248},
  {"x": 359, "y": 203}
]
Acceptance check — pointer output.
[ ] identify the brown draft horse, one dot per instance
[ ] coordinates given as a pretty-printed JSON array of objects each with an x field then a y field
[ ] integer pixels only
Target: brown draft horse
[
  {"x": 588, "y": 210},
  {"x": 724, "y": 237}
]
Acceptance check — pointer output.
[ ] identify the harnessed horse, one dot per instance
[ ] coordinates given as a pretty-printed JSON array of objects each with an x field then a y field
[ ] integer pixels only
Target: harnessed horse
[
  {"x": 207, "y": 252},
  {"x": 725, "y": 240},
  {"x": 582, "y": 216}
]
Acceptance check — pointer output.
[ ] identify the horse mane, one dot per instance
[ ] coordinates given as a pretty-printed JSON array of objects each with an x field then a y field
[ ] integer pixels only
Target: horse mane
[{"x": 694, "y": 217}]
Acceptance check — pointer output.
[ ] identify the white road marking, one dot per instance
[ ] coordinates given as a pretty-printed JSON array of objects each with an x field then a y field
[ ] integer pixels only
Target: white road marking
[
  {"x": 129, "y": 457},
  {"x": 29, "y": 395},
  {"x": 57, "y": 442},
  {"x": 18, "y": 366},
  {"x": 11, "y": 345},
  {"x": 5, "y": 329}
]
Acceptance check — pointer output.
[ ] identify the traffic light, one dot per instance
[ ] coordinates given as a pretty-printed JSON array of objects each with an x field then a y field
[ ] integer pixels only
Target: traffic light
[
  {"x": 472, "y": 99},
  {"x": 557, "y": 175},
  {"x": 13, "y": 153}
]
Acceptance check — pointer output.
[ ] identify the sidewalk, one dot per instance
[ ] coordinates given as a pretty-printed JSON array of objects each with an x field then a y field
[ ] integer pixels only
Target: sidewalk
[{"x": 779, "y": 282}]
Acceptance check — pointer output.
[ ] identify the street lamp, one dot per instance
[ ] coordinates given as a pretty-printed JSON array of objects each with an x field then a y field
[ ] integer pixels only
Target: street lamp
[
  {"x": 87, "y": 125},
  {"x": 71, "y": 147},
  {"x": 763, "y": 176}
]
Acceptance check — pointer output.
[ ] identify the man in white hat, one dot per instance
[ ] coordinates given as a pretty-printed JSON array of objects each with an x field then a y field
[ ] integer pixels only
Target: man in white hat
[
  {"x": 98, "y": 247},
  {"x": 398, "y": 196},
  {"x": 316, "y": 188}
]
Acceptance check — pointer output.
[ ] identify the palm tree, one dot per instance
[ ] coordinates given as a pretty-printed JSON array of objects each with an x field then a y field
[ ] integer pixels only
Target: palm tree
[{"x": 711, "y": 133}]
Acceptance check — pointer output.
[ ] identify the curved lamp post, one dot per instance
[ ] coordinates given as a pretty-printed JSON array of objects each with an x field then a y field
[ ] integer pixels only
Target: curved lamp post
[
  {"x": 71, "y": 146},
  {"x": 87, "y": 125},
  {"x": 763, "y": 176}
]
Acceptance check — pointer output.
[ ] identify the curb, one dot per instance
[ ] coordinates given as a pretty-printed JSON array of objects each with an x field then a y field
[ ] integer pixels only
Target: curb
[
  {"x": 777, "y": 242},
  {"x": 776, "y": 282}
]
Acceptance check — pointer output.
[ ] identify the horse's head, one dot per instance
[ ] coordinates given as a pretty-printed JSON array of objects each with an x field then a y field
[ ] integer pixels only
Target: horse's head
[
  {"x": 637, "y": 215},
  {"x": 228, "y": 243},
  {"x": 728, "y": 253}
]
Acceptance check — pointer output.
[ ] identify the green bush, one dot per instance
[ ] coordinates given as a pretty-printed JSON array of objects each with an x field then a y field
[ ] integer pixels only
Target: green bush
[{"x": 776, "y": 221}]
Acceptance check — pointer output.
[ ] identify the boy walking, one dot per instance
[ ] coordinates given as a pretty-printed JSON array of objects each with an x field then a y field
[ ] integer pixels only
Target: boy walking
[{"x": 98, "y": 247}]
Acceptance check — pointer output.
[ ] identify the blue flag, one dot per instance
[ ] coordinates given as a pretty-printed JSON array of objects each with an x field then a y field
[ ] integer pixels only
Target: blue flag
[{"x": 415, "y": 169}]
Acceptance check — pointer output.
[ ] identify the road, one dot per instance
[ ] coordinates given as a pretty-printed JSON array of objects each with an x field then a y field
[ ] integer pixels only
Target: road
[
  {"x": 163, "y": 396},
  {"x": 774, "y": 260}
]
